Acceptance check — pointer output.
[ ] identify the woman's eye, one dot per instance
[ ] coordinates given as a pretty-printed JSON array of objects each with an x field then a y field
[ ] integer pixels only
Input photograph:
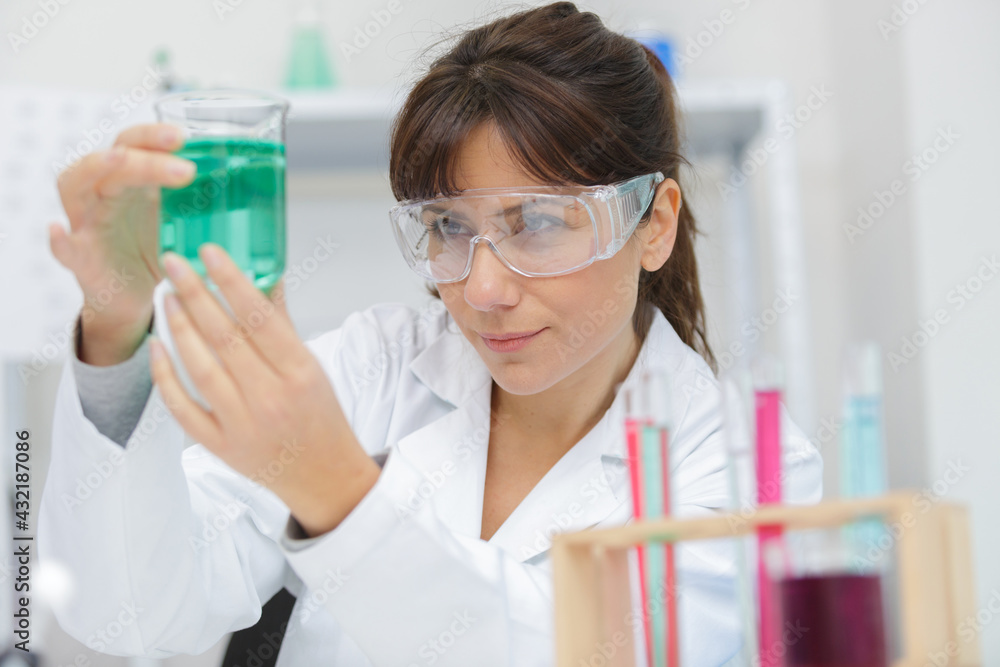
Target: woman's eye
[
  {"x": 446, "y": 226},
  {"x": 537, "y": 222},
  {"x": 451, "y": 228}
]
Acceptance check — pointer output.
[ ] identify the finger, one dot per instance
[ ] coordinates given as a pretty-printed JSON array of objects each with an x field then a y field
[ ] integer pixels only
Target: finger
[
  {"x": 142, "y": 167},
  {"x": 154, "y": 136},
  {"x": 279, "y": 297},
  {"x": 80, "y": 178},
  {"x": 77, "y": 182},
  {"x": 62, "y": 249},
  {"x": 208, "y": 376},
  {"x": 216, "y": 326},
  {"x": 268, "y": 327},
  {"x": 194, "y": 419}
]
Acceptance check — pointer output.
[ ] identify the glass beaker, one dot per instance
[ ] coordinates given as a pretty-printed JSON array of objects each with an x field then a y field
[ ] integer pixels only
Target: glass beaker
[
  {"x": 833, "y": 609},
  {"x": 237, "y": 199}
]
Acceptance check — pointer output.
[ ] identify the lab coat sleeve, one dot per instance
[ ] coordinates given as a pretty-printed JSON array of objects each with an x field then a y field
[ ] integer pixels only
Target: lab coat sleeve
[
  {"x": 113, "y": 397},
  {"x": 802, "y": 470},
  {"x": 168, "y": 548},
  {"x": 411, "y": 592}
]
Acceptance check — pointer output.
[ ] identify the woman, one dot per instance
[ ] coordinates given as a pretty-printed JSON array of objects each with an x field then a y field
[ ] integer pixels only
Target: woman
[{"x": 402, "y": 475}]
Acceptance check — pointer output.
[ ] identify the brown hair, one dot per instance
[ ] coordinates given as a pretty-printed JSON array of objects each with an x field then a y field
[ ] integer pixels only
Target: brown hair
[{"x": 575, "y": 103}]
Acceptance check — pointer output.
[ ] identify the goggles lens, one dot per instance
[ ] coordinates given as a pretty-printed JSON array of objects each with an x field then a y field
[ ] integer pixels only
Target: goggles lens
[{"x": 535, "y": 231}]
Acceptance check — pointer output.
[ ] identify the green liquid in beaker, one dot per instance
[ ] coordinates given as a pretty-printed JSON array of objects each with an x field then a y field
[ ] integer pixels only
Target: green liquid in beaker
[{"x": 237, "y": 200}]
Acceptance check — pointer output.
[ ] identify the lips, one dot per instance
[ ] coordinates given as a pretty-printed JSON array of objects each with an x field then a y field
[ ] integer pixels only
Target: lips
[
  {"x": 508, "y": 336},
  {"x": 509, "y": 342}
]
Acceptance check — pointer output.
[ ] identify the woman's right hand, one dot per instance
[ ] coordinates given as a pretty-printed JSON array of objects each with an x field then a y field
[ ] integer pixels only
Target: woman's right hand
[{"x": 112, "y": 199}]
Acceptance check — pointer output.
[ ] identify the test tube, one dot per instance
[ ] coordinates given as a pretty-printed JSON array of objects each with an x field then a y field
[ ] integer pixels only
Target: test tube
[
  {"x": 657, "y": 489},
  {"x": 862, "y": 459},
  {"x": 862, "y": 449},
  {"x": 767, "y": 382},
  {"x": 863, "y": 473},
  {"x": 737, "y": 395},
  {"x": 633, "y": 434}
]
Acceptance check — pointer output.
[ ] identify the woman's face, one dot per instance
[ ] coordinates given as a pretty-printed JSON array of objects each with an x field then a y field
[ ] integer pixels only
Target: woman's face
[{"x": 580, "y": 320}]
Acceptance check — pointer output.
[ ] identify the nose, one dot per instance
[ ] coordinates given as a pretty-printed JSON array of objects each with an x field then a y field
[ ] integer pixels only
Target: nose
[{"x": 490, "y": 284}]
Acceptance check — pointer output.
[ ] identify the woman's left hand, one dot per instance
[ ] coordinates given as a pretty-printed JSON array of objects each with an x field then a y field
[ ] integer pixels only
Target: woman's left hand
[{"x": 274, "y": 417}]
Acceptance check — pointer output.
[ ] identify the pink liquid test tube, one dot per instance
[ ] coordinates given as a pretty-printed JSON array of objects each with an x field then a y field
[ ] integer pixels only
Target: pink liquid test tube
[
  {"x": 767, "y": 408},
  {"x": 633, "y": 429}
]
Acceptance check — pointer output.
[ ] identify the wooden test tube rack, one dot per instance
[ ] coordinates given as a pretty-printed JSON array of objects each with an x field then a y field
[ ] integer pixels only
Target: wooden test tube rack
[{"x": 933, "y": 557}]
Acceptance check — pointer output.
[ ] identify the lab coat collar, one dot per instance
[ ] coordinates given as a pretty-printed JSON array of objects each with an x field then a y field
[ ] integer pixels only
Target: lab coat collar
[
  {"x": 583, "y": 488},
  {"x": 451, "y": 368}
]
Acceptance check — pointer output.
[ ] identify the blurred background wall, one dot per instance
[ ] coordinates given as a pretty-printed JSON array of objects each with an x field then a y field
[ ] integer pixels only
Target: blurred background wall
[{"x": 913, "y": 88}]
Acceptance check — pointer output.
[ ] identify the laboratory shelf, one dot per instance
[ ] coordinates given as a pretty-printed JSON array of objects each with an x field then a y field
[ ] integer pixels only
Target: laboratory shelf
[{"x": 348, "y": 128}]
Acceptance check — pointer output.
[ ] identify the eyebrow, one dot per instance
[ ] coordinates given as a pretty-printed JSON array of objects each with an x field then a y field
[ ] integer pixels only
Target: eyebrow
[
  {"x": 439, "y": 208},
  {"x": 512, "y": 209}
]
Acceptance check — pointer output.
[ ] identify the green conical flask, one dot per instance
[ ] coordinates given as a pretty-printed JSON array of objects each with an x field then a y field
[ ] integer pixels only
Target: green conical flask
[{"x": 308, "y": 66}]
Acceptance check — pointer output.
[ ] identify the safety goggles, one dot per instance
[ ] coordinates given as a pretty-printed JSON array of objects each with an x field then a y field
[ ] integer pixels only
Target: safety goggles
[{"x": 536, "y": 231}]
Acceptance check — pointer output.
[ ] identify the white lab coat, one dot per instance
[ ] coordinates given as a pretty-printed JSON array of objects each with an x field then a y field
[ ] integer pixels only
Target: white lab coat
[{"x": 170, "y": 548}]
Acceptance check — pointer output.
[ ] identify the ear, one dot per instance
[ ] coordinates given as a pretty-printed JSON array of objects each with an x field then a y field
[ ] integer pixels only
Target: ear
[{"x": 659, "y": 234}]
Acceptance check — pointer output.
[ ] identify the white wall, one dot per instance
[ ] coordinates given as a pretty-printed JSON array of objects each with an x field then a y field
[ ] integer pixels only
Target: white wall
[
  {"x": 877, "y": 266},
  {"x": 952, "y": 80}
]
